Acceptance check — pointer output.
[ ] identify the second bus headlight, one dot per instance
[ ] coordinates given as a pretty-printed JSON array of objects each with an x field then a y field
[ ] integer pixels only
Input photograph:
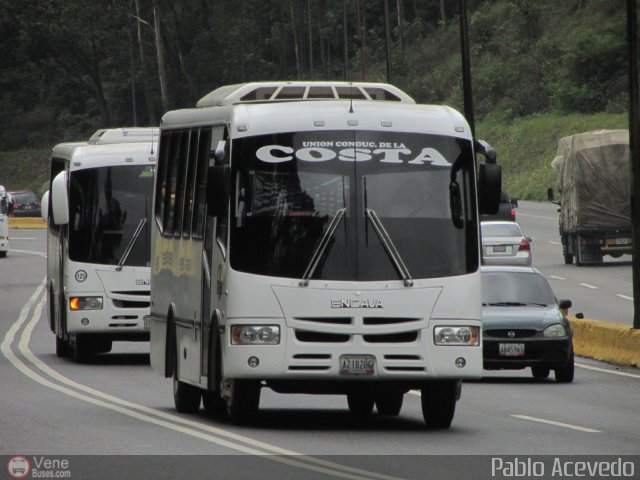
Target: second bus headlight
[
  {"x": 255, "y": 335},
  {"x": 456, "y": 336},
  {"x": 85, "y": 303}
]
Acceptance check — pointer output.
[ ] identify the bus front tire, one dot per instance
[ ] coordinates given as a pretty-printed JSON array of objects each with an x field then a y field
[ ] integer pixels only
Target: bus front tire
[
  {"x": 360, "y": 403},
  {"x": 213, "y": 403},
  {"x": 439, "y": 403},
  {"x": 389, "y": 402},
  {"x": 244, "y": 400},
  {"x": 63, "y": 349}
]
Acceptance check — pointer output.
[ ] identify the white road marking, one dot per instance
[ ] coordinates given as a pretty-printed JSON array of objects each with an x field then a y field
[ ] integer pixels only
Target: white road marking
[
  {"x": 608, "y": 370},
  {"x": 536, "y": 216},
  {"x": 624, "y": 297},
  {"x": 157, "y": 417},
  {"x": 555, "y": 277},
  {"x": 22, "y": 238},
  {"x": 554, "y": 243},
  {"x": 557, "y": 424},
  {"x": 30, "y": 252},
  {"x": 587, "y": 285}
]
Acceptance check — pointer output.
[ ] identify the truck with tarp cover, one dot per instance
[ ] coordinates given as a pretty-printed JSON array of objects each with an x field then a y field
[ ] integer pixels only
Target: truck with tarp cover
[{"x": 594, "y": 184}]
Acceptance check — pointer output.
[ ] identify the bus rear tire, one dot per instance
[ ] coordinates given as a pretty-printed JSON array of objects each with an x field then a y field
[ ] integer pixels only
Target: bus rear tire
[
  {"x": 439, "y": 403},
  {"x": 186, "y": 398},
  {"x": 244, "y": 401}
]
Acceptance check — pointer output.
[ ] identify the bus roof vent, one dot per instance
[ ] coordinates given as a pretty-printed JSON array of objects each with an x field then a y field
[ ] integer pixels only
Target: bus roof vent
[
  {"x": 262, "y": 92},
  {"x": 124, "y": 135}
]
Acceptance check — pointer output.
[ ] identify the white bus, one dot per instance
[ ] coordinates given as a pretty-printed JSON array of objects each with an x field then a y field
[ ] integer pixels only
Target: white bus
[
  {"x": 320, "y": 238},
  {"x": 4, "y": 223},
  {"x": 98, "y": 244}
]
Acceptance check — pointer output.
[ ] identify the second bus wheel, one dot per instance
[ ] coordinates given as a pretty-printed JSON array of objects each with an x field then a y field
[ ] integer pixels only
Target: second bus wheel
[
  {"x": 243, "y": 401},
  {"x": 389, "y": 402},
  {"x": 360, "y": 402}
]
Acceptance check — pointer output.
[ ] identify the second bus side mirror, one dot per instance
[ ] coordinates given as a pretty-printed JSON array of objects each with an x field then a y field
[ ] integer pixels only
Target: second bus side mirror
[{"x": 59, "y": 199}]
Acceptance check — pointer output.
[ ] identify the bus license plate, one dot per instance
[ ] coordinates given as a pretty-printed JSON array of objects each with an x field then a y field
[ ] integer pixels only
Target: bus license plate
[
  {"x": 357, "y": 364},
  {"x": 511, "y": 349}
]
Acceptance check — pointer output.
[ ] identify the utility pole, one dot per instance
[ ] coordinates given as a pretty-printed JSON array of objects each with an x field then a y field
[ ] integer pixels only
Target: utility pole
[
  {"x": 466, "y": 67},
  {"x": 387, "y": 39},
  {"x": 634, "y": 123}
]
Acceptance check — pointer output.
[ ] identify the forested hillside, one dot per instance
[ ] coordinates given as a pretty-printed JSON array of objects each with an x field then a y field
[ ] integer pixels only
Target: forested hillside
[{"x": 68, "y": 67}]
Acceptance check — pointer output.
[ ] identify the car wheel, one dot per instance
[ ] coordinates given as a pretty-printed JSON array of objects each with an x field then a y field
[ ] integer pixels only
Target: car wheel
[
  {"x": 439, "y": 403},
  {"x": 389, "y": 402},
  {"x": 540, "y": 372},
  {"x": 565, "y": 374},
  {"x": 360, "y": 403}
]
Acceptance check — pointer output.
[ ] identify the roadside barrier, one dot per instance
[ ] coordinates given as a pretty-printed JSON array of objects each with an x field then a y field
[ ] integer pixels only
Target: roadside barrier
[
  {"x": 606, "y": 341},
  {"x": 26, "y": 222}
]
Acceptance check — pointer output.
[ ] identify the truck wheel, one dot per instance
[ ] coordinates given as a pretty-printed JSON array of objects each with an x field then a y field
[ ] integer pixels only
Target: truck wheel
[
  {"x": 244, "y": 401},
  {"x": 568, "y": 257},
  {"x": 186, "y": 398},
  {"x": 360, "y": 403},
  {"x": 389, "y": 402},
  {"x": 439, "y": 403}
]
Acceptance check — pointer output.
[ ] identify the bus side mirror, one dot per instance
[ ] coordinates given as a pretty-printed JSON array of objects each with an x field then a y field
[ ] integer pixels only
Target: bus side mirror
[
  {"x": 44, "y": 203},
  {"x": 218, "y": 190},
  {"x": 489, "y": 188},
  {"x": 60, "y": 199}
]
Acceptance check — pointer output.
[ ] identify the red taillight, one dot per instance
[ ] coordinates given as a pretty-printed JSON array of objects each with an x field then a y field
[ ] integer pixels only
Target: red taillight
[
  {"x": 524, "y": 245},
  {"x": 513, "y": 214}
]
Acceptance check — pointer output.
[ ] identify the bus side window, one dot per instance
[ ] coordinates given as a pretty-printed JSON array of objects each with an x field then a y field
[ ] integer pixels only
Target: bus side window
[{"x": 200, "y": 203}]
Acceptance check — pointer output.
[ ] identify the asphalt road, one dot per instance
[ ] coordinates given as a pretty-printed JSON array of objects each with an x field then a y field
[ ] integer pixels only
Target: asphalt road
[{"x": 118, "y": 406}]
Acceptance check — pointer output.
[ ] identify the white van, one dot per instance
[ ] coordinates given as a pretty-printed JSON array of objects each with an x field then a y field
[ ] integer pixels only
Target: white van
[{"x": 4, "y": 224}]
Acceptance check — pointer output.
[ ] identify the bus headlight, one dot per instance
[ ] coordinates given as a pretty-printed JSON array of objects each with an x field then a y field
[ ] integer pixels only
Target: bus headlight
[
  {"x": 255, "y": 335},
  {"x": 456, "y": 336},
  {"x": 85, "y": 303}
]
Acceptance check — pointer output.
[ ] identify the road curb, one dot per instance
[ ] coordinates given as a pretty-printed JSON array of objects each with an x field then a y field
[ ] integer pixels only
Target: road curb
[
  {"x": 607, "y": 341},
  {"x": 27, "y": 222}
]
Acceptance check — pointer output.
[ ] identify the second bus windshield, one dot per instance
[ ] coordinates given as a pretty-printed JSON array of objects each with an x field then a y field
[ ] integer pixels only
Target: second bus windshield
[{"x": 106, "y": 204}]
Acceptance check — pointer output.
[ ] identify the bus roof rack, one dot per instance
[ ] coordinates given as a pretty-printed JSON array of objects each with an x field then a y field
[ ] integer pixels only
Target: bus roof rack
[
  {"x": 261, "y": 92},
  {"x": 124, "y": 135}
]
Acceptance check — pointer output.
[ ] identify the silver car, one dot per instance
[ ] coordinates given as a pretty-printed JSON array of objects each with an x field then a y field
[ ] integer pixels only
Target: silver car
[{"x": 504, "y": 243}]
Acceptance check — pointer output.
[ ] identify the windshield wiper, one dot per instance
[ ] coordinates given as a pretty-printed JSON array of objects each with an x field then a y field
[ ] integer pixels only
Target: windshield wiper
[
  {"x": 387, "y": 243},
  {"x": 134, "y": 237},
  {"x": 322, "y": 246}
]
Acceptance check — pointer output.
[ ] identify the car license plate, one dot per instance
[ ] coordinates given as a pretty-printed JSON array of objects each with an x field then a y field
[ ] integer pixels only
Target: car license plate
[
  {"x": 623, "y": 241},
  {"x": 27, "y": 207},
  {"x": 499, "y": 248},
  {"x": 511, "y": 349},
  {"x": 146, "y": 322},
  {"x": 357, "y": 364}
]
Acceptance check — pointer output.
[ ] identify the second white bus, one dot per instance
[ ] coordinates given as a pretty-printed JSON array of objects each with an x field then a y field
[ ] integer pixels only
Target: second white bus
[{"x": 98, "y": 245}]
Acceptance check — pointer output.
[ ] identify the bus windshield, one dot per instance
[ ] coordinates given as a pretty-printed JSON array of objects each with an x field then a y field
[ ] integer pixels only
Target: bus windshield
[
  {"x": 106, "y": 205},
  {"x": 289, "y": 187}
]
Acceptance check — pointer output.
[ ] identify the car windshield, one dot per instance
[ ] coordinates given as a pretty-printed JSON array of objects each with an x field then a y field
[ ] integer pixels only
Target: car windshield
[
  {"x": 511, "y": 288},
  {"x": 288, "y": 188},
  {"x": 501, "y": 230},
  {"x": 25, "y": 197},
  {"x": 106, "y": 205}
]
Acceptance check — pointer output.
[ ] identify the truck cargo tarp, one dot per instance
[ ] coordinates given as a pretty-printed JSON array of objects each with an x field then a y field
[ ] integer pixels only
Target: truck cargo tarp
[{"x": 594, "y": 180}]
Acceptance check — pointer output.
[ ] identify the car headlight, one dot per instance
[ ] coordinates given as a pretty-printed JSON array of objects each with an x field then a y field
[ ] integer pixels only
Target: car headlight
[
  {"x": 556, "y": 330},
  {"x": 456, "y": 336},
  {"x": 85, "y": 303},
  {"x": 255, "y": 335}
]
